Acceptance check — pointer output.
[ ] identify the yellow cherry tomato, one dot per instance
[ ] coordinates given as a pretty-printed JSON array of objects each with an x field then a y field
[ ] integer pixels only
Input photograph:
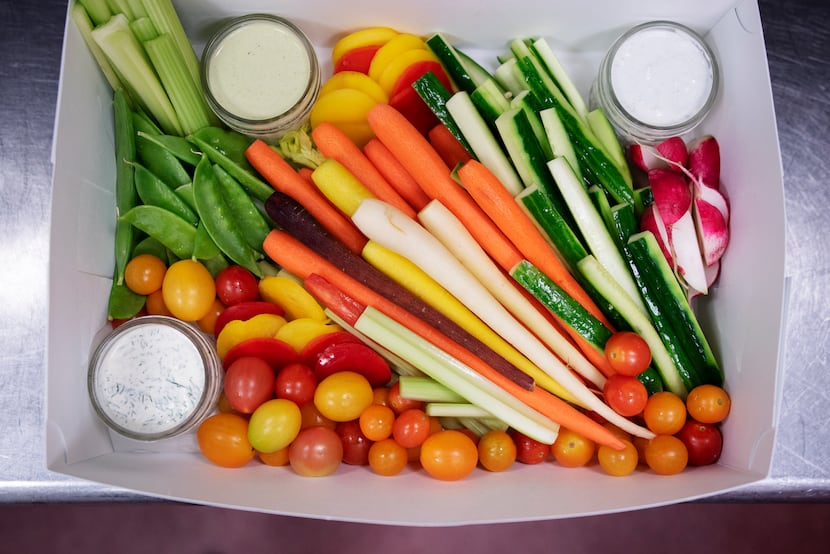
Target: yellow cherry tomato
[
  {"x": 343, "y": 396},
  {"x": 188, "y": 290}
]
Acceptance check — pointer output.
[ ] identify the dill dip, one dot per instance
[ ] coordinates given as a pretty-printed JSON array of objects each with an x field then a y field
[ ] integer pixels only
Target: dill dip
[
  {"x": 658, "y": 80},
  {"x": 260, "y": 75},
  {"x": 154, "y": 377}
]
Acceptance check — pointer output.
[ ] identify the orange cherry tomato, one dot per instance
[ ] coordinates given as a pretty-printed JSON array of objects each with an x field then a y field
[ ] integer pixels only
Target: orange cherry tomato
[
  {"x": 144, "y": 273},
  {"x": 387, "y": 457},
  {"x": 627, "y": 353},
  {"x": 708, "y": 404},
  {"x": 618, "y": 463},
  {"x": 572, "y": 449},
  {"x": 449, "y": 455},
  {"x": 223, "y": 440},
  {"x": 496, "y": 451},
  {"x": 665, "y": 413},
  {"x": 666, "y": 455}
]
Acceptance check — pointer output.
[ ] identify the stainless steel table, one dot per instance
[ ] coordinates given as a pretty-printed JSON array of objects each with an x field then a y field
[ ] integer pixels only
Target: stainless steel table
[{"x": 798, "y": 44}]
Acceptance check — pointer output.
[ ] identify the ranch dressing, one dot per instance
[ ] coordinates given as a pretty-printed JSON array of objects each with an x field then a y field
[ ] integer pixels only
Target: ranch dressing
[
  {"x": 261, "y": 75},
  {"x": 150, "y": 378},
  {"x": 659, "y": 79}
]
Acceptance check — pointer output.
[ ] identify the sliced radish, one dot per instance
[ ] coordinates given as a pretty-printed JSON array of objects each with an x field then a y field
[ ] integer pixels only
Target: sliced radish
[
  {"x": 712, "y": 273},
  {"x": 687, "y": 256},
  {"x": 712, "y": 222},
  {"x": 669, "y": 154},
  {"x": 646, "y": 157},
  {"x": 672, "y": 194},
  {"x": 674, "y": 150},
  {"x": 650, "y": 220},
  {"x": 704, "y": 161}
]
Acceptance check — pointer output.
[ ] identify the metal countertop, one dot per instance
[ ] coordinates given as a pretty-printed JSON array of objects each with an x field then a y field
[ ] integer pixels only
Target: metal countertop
[{"x": 797, "y": 35}]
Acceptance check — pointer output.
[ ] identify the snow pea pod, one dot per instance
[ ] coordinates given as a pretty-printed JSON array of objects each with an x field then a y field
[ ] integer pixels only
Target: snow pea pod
[
  {"x": 158, "y": 160},
  {"x": 155, "y": 192},
  {"x": 179, "y": 147},
  {"x": 125, "y": 190},
  {"x": 169, "y": 229},
  {"x": 216, "y": 216},
  {"x": 204, "y": 248},
  {"x": 227, "y": 149},
  {"x": 250, "y": 220}
]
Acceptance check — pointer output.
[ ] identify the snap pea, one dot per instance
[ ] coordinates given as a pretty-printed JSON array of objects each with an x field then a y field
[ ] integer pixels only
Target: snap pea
[
  {"x": 249, "y": 219},
  {"x": 162, "y": 163},
  {"x": 155, "y": 192},
  {"x": 216, "y": 264},
  {"x": 169, "y": 229},
  {"x": 180, "y": 147},
  {"x": 125, "y": 191},
  {"x": 204, "y": 248},
  {"x": 124, "y": 303},
  {"x": 227, "y": 149},
  {"x": 185, "y": 192},
  {"x": 217, "y": 218},
  {"x": 151, "y": 245}
]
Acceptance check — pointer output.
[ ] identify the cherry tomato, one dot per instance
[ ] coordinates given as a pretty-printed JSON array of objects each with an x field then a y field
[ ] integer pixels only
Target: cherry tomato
[
  {"x": 376, "y": 422},
  {"x": 355, "y": 444},
  {"x": 208, "y": 322},
  {"x": 571, "y": 449},
  {"x": 627, "y": 353},
  {"x": 625, "y": 394},
  {"x": 528, "y": 450},
  {"x": 665, "y": 413},
  {"x": 343, "y": 395},
  {"x": 316, "y": 452},
  {"x": 496, "y": 451},
  {"x": 400, "y": 404},
  {"x": 235, "y": 284},
  {"x": 449, "y": 455},
  {"x": 387, "y": 457},
  {"x": 274, "y": 424},
  {"x": 666, "y": 455},
  {"x": 708, "y": 404},
  {"x": 411, "y": 428},
  {"x": 313, "y": 418},
  {"x": 276, "y": 458},
  {"x": 703, "y": 441},
  {"x": 144, "y": 273},
  {"x": 618, "y": 463},
  {"x": 188, "y": 290},
  {"x": 249, "y": 382},
  {"x": 381, "y": 396},
  {"x": 297, "y": 383},
  {"x": 223, "y": 440},
  {"x": 154, "y": 304}
]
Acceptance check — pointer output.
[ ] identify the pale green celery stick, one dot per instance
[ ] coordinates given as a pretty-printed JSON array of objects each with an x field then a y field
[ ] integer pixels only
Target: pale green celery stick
[
  {"x": 164, "y": 17},
  {"x": 126, "y": 54},
  {"x": 137, "y": 8},
  {"x": 426, "y": 389},
  {"x": 80, "y": 16},
  {"x": 456, "y": 409},
  {"x": 186, "y": 97},
  {"x": 122, "y": 7},
  {"x": 98, "y": 10},
  {"x": 143, "y": 29}
]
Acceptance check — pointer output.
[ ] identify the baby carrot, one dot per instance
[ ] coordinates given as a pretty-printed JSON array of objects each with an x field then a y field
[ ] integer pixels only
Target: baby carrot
[
  {"x": 285, "y": 179},
  {"x": 447, "y": 146},
  {"x": 334, "y": 143},
  {"x": 395, "y": 173},
  {"x": 425, "y": 165}
]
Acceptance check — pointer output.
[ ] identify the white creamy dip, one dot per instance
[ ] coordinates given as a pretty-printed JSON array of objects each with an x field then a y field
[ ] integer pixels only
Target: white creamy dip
[
  {"x": 259, "y": 70},
  {"x": 661, "y": 76},
  {"x": 149, "y": 379}
]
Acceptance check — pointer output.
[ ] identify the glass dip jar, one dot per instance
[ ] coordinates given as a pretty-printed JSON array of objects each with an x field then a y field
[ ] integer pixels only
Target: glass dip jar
[
  {"x": 261, "y": 75},
  {"x": 658, "y": 80},
  {"x": 154, "y": 377}
]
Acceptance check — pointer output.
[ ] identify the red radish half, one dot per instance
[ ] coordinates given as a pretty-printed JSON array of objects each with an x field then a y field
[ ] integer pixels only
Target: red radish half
[
  {"x": 687, "y": 257},
  {"x": 712, "y": 222},
  {"x": 704, "y": 161},
  {"x": 651, "y": 221},
  {"x": 669, "y": 154},
  {"x": 672, "y": 194}
]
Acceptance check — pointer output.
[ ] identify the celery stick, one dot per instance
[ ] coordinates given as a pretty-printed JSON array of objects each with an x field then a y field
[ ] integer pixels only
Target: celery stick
[
  {"x": 127, "y": 56},
  {"x": 455, "y": 375},
  {"x": 137, "y": 8},
  {"x": 85, "y": 24},
  {"x": 143, "y": 29},
  {"x": 186, "y": 97},
  {"x": 166, "y": 20},
  {"x": 98, "y": 10},
  {"x": 456, "y": 409},
  {"x": 427, "y": 390},
  {"x": 122, "y": 7}
]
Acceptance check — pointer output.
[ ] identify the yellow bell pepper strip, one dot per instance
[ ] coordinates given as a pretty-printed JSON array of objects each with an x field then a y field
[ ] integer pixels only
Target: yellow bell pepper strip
[
  {"x": 370, "y": 36},
  {"x": 294, "y": 299},
  {"x": 299, "y": 332},
  {"x": 237, "y": 331}
]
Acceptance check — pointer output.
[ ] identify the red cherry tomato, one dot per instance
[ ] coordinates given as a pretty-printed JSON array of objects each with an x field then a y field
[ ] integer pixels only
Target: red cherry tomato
[
  {"x": 296, "y": 382},
  {"x": 398, "y": 403},
  {"x": 317, "y": 451},
  {"x": 528, "y": 450},
  {"x": 235, "y": 284},
  {"x": 627, "y": 353},
  {"x": 703, "y": 441},
  {"x": 249, "y": 382},
  {"x": 411, "y": 428},
  {"x": 355, "y": 444},
  {"x": 625, "y": 394}
]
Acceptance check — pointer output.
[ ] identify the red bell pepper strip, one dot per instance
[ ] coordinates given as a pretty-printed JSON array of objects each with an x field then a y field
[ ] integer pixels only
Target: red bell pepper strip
[
  {"x": 245, "y": 311},
  {"x": 277, "y": 353},
  {"x": 357, "y": 59}
]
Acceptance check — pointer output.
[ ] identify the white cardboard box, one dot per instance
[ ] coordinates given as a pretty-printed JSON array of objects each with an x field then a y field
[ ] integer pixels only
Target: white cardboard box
[{"x": 743, "y": 314}]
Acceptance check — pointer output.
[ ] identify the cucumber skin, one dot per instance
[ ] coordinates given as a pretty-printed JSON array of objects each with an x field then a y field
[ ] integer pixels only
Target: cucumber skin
[{"x": 671, "y": 313}]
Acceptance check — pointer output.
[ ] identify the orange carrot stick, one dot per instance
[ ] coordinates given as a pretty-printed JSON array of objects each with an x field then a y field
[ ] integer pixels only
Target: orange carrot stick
[
  {"x": 285, "y": 179},
  {"x": 425, "y": 165},
  {"x": 447, "y": 146},
  {"x": 334, "y": 143},
  {"x": 395, "y": 173},
  {"x": 497, "y": 202},
  {"x": 301, "y": 261},
  {"x": 305, "y": 173}
]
